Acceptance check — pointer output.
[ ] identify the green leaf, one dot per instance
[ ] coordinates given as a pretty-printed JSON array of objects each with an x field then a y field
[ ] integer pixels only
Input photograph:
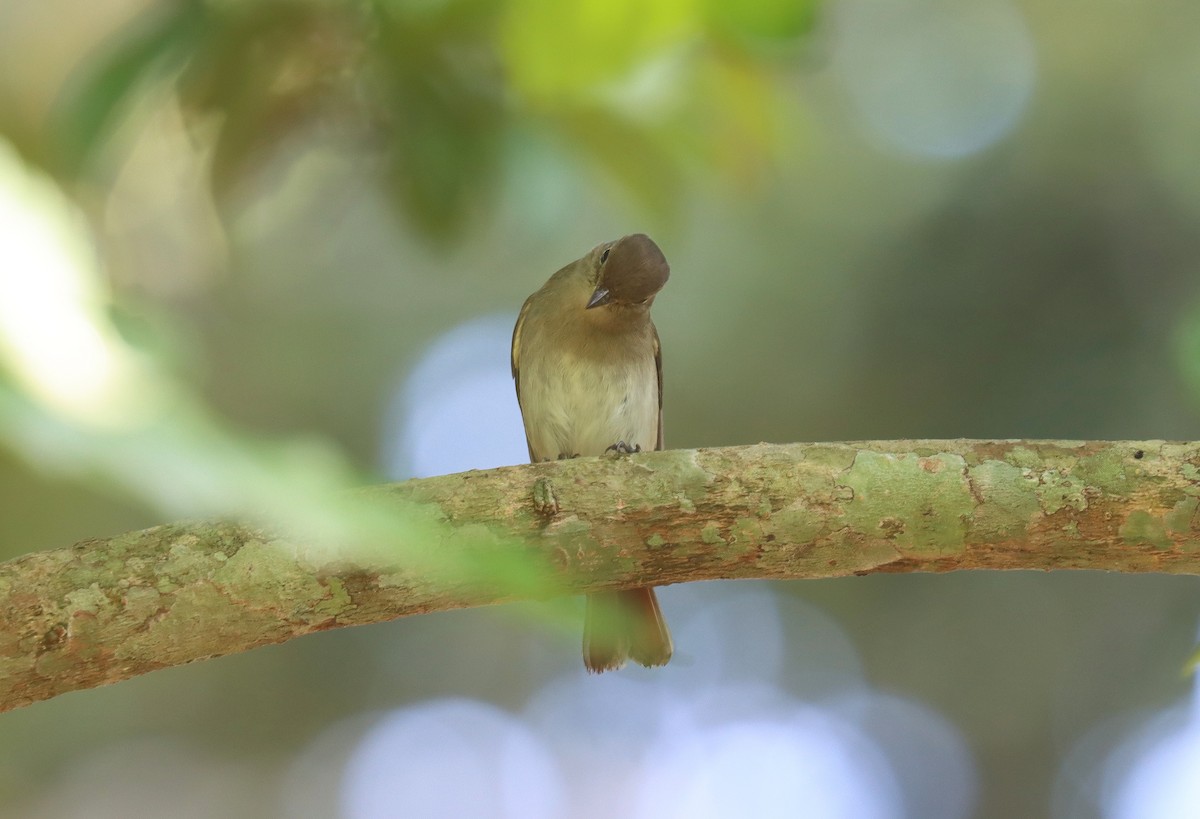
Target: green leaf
[
  {"x": 555, "y": 50},
  {"x": 86, "y": 113},
  {"x": 756, "y": 23},
  {"x": 438, "y": 92},
  {"x": 1192, "y": 663}
]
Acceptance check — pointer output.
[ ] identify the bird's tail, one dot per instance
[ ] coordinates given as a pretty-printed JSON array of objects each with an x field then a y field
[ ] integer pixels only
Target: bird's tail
[{"x": 624, "y": 625}]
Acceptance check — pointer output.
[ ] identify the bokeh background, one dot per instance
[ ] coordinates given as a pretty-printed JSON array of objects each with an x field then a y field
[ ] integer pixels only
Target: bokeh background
[{"x": 254, "y": 251}]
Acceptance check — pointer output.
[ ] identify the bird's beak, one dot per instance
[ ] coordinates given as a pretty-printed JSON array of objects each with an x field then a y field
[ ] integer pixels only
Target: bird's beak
[{"x": 600, "y": 298}]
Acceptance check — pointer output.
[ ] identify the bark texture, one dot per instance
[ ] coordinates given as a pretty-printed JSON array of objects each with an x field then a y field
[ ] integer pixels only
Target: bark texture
[{"x": 106, "y": 610}]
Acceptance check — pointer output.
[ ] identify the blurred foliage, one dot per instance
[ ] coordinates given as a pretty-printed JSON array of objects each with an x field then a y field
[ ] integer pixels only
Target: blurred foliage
[
  {"x": 1187, "y": 350},
  {"x": 432, "y": 88},
  {"x": 824, "y": 287},
  {"x": 431, "y": 94}
]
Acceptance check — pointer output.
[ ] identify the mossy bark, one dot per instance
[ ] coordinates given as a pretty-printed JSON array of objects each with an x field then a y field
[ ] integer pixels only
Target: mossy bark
[{"x": 106, "y": 610}]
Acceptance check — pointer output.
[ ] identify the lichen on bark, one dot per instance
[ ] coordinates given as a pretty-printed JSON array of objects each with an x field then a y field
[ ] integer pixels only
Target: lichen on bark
[{"x": 108, "y": 609}]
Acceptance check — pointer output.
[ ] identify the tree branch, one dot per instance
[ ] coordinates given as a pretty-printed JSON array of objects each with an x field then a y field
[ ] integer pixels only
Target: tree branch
[{"x": 106, "y": 610}]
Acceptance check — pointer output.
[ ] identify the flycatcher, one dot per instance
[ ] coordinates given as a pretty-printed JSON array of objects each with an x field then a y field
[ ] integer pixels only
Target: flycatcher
[{"x": 588, "y": 369}]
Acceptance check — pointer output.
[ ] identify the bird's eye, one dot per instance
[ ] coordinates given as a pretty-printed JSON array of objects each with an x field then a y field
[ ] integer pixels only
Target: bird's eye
[{"x": 604, "y": 256}]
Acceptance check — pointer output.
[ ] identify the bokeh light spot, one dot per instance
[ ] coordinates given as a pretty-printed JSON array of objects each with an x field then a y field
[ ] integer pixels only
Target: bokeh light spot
[
  {"x": 1164, "y": 783},
  {"x": 451, "y": 758},
  {"x": 806, "y": 764},
  {"x": 458, "y": 409},
  {"x": 934, "y": 79},
  {"x": 55, "y": 336}
]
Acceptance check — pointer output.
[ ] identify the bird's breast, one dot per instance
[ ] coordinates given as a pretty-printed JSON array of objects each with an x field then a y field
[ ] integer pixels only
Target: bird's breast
[{"x": 579, "y": 404}]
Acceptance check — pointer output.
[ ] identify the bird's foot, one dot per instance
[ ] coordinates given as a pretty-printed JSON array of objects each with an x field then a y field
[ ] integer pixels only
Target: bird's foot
[{"x": 621, "y": 448}]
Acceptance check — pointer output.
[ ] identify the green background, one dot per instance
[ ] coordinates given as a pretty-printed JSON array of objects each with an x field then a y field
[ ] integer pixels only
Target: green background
[{"x": 292, "y": 201}]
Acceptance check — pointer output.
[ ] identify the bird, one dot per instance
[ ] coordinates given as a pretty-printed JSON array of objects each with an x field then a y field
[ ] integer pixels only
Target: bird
[{"x": 587, "y": 365}]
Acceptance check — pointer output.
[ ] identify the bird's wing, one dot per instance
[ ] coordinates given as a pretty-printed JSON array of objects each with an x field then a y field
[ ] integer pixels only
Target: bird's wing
[
  {"x": 658, "y": 368},
  {"x": 516, "y": 366}
]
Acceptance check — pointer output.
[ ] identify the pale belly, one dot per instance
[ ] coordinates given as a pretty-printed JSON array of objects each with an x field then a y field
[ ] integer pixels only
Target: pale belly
[{"x": 572, "y": 409}]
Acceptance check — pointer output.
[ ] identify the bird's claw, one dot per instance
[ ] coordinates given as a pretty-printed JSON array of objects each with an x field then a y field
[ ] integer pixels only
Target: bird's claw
[{"x": 622, "y": 448}]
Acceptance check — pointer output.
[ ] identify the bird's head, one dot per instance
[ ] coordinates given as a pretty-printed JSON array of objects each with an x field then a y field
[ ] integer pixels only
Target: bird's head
[{"x": 628, "y": 272}]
